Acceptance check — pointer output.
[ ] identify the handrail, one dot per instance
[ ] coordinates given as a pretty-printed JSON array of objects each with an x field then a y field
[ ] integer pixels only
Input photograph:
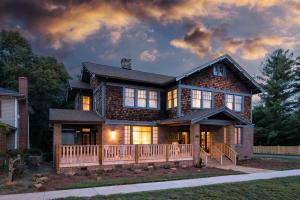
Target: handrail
[
  {"x": 227, "y": 151},
  {"x": 217, "y": 154},
  {"x": 203, "y": 156}
]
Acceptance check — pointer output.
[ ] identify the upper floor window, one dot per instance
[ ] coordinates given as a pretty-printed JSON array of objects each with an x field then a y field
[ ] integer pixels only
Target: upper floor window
[
  {"x": 86, "y": 103},
  {"x": 142, "y": 98},
  {"x": 201, "y": 99},
  {"x": 172, "y": 98},
  {"x": 238, "y": 136},
  {"x": 234, "y": 102},
  {"x": 219, "y": 70},
  {"x": 153, "y": 100},
  {"x": 129, "y": 97}
]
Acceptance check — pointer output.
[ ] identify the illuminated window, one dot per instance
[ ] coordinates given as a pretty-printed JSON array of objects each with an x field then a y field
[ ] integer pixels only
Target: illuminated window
[
  {"x": 142, "y": 97},
  {"x": 153, "y": 100},
  {"x": 229, "y": 101},
  {"x": 141, "y": 134},
  {"x": 238, "y": 136},
  {"x": 172, "y": 98},
  {"x": 196, "y": 98},
  {"x": 129, "y": 97},
  {"x": 126, "y": 134},
  {"x": 155, "y": 135},
  {"x": 175, "y": 98},
  {"x": 206, "y": 99},
  {"x": 238, "y": 103},
  {"x": 86, "y": 103}
]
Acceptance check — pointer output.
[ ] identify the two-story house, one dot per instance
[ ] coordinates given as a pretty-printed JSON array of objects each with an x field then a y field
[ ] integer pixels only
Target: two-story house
[
  {"x": 14, "y": 115},
  {"x": 204, "y": 113}
]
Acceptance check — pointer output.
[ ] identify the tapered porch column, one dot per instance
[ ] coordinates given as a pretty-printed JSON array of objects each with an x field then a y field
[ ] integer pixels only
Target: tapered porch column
[
  {"x": 195, "y": 140},
  {"x": 230, "y": 135},
  {"x": 56, "y": 139}
]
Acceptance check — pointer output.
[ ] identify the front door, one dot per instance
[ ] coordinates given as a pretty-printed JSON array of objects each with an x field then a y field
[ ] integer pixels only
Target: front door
[
  {"x": 205, "y": 140},
  {"x": 86, "y": 138}
]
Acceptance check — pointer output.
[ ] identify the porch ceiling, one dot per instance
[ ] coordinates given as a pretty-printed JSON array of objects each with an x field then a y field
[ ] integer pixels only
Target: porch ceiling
[{"x": 206, "y": 115}]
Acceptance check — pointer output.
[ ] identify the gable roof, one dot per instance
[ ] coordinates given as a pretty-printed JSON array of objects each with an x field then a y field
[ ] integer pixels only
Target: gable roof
[
  {"x": 79, "y": 84},
  {"x": 203, "y": 114},
  {"x": 243, "y": 74},
  {"x": 125, "y": 74},
  {"x": 68, "y": 115},
  {"x": 8, "y": 92}
]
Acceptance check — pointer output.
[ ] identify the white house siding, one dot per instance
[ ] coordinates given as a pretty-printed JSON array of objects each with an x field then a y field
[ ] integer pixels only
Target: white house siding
[{"x": 9, "y": 115}]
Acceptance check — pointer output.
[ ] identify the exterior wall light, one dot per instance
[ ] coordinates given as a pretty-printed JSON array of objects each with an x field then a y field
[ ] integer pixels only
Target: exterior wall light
[{"x": 113, "y": 135}]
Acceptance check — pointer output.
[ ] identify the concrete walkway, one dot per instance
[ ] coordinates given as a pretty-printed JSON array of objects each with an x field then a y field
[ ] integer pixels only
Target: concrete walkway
[
  {"x": 247, "y": 170},
  {"x": 142, "y": 187}
]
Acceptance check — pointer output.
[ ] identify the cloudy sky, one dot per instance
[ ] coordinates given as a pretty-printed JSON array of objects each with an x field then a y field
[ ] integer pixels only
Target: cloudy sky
[{"x": 167, "y": 37}]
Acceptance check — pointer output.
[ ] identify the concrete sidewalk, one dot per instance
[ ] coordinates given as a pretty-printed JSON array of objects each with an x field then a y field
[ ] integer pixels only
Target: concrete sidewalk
[{"x": 142, "y": 187}]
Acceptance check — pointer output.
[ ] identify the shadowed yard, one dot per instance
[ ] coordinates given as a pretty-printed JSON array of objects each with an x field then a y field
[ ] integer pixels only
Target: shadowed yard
[{"x": 282, "y": 188}]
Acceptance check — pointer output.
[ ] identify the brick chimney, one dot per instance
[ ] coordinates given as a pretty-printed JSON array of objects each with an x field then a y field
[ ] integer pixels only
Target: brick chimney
[
  {"x": 23, "y": 114},
  {"x": 126, "y": 63}
]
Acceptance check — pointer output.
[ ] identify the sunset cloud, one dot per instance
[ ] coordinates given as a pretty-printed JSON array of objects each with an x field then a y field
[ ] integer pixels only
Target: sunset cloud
[{"x": 149, "y": 55}]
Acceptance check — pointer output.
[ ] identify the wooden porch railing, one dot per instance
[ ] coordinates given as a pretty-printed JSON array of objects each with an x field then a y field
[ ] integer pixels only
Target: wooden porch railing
[
  {"x": 88, "y": 155},
  {"x": 203, "y": 156},
  {"x": 227, "y": 151},
  {"x": 78, "y": 155},
  {"x": 217, "y": 154}
]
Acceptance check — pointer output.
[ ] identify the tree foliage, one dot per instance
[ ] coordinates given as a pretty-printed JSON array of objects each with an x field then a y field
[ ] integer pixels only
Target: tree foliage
[
  {"x": 47, "y": 82},
  {"x": 275, "y": 119}
]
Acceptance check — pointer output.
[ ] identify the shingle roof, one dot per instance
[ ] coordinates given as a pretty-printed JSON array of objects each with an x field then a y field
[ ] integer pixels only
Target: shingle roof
[
  {"x": 125, "y": 74},
  {"x": 8, "y": 92},
  {"x": 79, "y": 84},
  {"x": 67, "y": 115},
  {"x": 196, "y": 116}
]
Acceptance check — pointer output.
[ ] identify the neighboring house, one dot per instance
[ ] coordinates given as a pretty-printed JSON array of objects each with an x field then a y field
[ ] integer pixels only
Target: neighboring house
[
  {"x": 207, "y": 109},
  {"x": 14, "y": 114}
]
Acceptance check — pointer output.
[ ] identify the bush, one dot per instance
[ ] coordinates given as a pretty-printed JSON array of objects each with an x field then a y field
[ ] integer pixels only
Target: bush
[{"x": 48, "y": 156}]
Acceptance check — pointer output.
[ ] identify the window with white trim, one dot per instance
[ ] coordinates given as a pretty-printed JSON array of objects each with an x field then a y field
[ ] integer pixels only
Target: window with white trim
[
  {"x": 141, "y": 134},
  {"x": 196, "y": 99},
  {"x": 155, "y": 135},
  {"x": 129, "y": 97},
  {"x": 153, "y": 99},
  {"x": 219, "y": 70},
  {"x": 126, "y": 134},
  {"x": 234, "y": 102},
  {"x": 142, "y": 98},
  {"x": 238, "y": 103},
  {"x": 206, "y": 99},
  {"x": 238, "y": 136},
  {"x": 229, "y": 101}
]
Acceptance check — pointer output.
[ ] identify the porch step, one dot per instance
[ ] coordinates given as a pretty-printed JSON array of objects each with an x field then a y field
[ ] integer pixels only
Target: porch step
[{"x": 211, "y": 162}]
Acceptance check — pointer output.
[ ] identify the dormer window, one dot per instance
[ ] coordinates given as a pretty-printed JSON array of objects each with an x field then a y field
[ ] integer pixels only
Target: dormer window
[{"x": 219, "y": 70}]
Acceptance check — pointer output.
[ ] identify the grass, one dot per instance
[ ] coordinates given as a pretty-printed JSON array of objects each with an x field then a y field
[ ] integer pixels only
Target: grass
[
  {"x": 147, "y": 179},
  {"x": 280, "y": 188}
]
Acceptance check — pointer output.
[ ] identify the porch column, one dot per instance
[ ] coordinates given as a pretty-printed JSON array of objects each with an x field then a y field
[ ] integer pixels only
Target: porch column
[
  {"x": 56, "y": 139},
  {"x": 230, "y": 135},
  {"x": 195, "y": 140}
]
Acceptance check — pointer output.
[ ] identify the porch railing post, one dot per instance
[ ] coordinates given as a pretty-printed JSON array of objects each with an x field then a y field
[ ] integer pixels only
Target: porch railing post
[
  {"x": 167, "y": 152},
  {"x": 100, "y": 153},
  {"x": 136, "y": 148}
]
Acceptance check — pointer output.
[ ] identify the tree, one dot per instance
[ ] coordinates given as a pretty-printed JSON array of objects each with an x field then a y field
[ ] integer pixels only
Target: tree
[
  {"x": 47, "y": 81},
  {"x": 277, "y": 81}
]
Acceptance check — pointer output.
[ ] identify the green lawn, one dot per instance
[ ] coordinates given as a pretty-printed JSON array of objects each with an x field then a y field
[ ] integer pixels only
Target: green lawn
[
  {"x": 281, "y": 188},
  {"x": 145, "y": 179}
]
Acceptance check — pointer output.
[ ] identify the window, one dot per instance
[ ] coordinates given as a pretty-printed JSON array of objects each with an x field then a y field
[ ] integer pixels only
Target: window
[
  {"x": 238, "y": 136},
  {"x": 196, "y": 98},
  {"x": 142, "y": 98},
  {"x": 206, "y": 99},
  {"x": 175, "y": 98},
  {"x": 155, "y": 135},
  {"x": 129, "y": 97},
  {"x": 234, "y": 102},
  {"x": 229, "y": 101},
  {"x": 153, "y": 99},
  {"x": 126, "y": 134},
  {"x": 86, "y": 103},
  {"x": 172, "y": 99},
  {"x": 219, "y": 70},
  {"x": 141, "y": 134},
  {"x": 238, "y": 103}
]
